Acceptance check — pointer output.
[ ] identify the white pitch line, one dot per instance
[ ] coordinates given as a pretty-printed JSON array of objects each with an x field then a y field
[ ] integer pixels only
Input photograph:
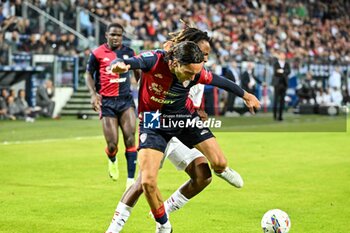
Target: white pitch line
[{"x": 49, "y": 140}]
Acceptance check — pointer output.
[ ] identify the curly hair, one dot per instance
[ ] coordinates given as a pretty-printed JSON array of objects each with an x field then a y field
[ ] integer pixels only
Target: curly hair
[{"x": 189, "y": 33}]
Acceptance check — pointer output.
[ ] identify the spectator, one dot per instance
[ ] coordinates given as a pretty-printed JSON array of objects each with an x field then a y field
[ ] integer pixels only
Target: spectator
[
  {"x": 335, "y": 86},
  {"x": 307, "y": 90},
  {"x": 280, "y": 82},
  {"x": 23, "y": 106},
  {"x": 2, "y": 16},
  {"x": 85, "y": 23},
  {"x": 232, "y": 73},
  {"x": 323, "y": 97},
  {"x": 3, "y": 108},
  {"x": 12, "y": 93},
  {"x": 4, "y": 93},
  {"x": 13, "y": 110},
  {"x": 336, "y": 97},
  {"x": 335, "y": 79},
  {"x": 248, "y": 79},
  {"x": 249, "y": 82},
  {"x": 211, "y": 94},
  {"x": 43, "y": 98},
  {"x": 12, "y": 39},
  {"x": 3, "y": 50}
]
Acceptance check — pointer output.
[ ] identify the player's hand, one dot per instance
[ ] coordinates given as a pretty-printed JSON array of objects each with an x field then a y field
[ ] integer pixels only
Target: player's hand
[
  {"x": 96, "y": 102},
  {"x": 119, "y": 67},
  {"x": 202, "y": 114},
  {"x": 251, "y": 102}
]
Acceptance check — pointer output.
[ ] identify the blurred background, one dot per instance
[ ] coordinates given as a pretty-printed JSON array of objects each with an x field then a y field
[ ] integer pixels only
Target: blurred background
[{"x": 44, "y": 44}]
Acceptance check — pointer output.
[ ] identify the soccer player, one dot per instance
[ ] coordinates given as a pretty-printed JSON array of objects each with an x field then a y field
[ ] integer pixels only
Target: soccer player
[
  {"x": 111, "y": 96},
  {"x": 191, "y": 161},
  {"x": 173, "y": 74}
]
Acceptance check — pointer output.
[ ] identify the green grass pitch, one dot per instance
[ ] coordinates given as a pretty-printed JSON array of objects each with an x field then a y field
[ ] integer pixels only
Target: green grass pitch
[{"x": 53, "y": 178}]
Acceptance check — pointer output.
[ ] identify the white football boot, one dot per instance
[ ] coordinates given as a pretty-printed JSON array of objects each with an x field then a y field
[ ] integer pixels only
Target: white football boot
[
  {"x": 164, "y": 228},
  {"x": 232, "y": 177}
]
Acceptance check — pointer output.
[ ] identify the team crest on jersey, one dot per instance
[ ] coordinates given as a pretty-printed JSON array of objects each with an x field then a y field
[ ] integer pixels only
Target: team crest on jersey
[
  {"x": 106, "y": 59},
  {"x": 186, "y": 83},
  {"x": 143, "y": 137},
  {"x": 156, "y": 88},
  {"x": 158, "y": 75}
]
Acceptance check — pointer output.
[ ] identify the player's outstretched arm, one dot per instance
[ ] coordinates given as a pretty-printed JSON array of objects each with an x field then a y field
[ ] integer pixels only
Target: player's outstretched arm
[
  {"x": 250, "y": 100},
  {"x": 144, "y": 62}
]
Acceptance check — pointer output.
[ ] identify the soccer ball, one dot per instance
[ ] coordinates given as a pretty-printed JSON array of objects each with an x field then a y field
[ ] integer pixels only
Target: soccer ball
[{"x": 276, "y": 221}]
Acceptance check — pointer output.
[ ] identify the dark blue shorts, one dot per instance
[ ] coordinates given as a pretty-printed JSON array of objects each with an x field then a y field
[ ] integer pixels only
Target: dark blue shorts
[
  {"x": 158, "y": 138},
  {"x": 115, "y": 106}
]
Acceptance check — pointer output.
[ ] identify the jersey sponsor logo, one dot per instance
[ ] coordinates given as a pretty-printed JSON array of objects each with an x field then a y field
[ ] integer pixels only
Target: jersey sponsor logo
[
  {"x": 147, "y": 54},
  {"x": 170, "y": 93},
  {"x": 162, "y": 101},
  {"x": 156, "y": 88},
  {"x": 117, "y": 80},
  {"x": 151, "y": 120}
]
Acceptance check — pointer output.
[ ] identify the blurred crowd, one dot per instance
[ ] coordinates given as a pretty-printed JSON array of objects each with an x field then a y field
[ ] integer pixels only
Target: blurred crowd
[{"x": 240, "y": 29}]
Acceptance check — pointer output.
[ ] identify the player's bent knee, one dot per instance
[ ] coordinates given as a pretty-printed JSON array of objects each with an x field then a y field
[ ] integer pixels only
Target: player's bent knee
[
  {"x": 149, "y": 187},
  {"x": 130, "y": 142},
  {"x": 112, "y": 148},
  {"x": 219, "y": 163},
  {"x": 149, "y": 183}
]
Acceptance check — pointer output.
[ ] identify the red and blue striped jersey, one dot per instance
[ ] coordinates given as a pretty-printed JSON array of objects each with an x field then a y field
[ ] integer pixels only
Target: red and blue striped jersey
[{"x": 107, "y": 83}]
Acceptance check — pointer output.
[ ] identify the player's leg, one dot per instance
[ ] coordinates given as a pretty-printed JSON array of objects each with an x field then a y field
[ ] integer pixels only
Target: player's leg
[
  {"x": 210, "y": 148},
  {"x": 195, "y": 165},
  {"x": 126, "y": 204},
  {"x": 110, "y": 131},
  {"x": 281, "y": 109},
  {"x": 200, "y": 177},
  {"x": 127, "y": 122},
  {"x": 149, "y": 161},
  {"x": 132, "y": 194},
  {"x": 125, "y": 207},
  {"x": 148, "y": 139},
  {"x": 275, "y": 101},
  {"x": 200, "y": 174}
]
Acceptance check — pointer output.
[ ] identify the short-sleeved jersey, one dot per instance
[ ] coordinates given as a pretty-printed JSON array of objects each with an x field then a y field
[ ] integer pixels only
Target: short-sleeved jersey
[
  {"x": 161, "y": 90},
  {"x": 107, "y": 83}
]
